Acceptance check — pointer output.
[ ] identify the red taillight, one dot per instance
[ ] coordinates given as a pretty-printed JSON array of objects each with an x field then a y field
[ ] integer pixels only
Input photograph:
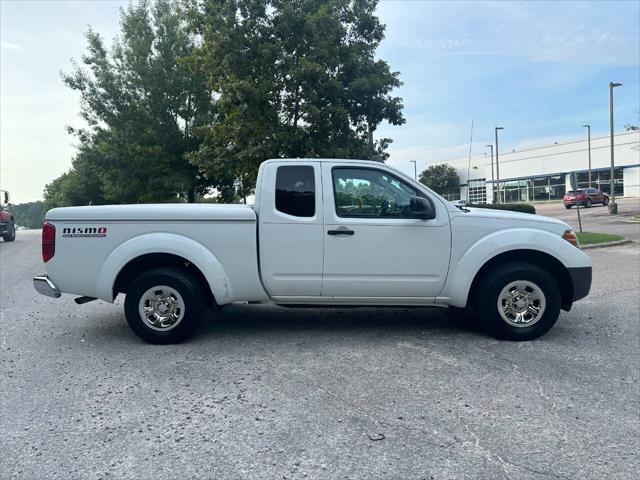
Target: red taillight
[
  {"x": 48, "y": 242},
  {"x": 4, "y": 216}
]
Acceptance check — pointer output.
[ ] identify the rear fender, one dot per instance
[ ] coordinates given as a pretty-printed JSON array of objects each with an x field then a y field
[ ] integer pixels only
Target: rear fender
[{"x": 179, "y": 245}]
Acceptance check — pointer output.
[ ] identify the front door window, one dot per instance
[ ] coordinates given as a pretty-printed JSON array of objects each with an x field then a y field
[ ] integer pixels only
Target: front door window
[{"x": 370, "y": 193}]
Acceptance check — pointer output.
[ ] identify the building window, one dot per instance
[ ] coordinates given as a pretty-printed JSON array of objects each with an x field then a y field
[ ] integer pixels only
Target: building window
[
  {"x": 451, "y": 195},
  {"x": 477, "y": 191},
  {"x": 602, "y": 180},
  {"x": 533, "y": 189}
]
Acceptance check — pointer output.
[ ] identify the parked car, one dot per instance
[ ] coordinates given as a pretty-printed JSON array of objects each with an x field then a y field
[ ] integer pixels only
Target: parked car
[
  {"x": 321, "y": 232},
  {"x": 585, "y": 197},
  {"x": 7, "y": 224}
]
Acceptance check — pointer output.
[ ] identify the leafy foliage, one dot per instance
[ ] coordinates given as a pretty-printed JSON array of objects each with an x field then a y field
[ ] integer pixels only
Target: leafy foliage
[
  {"x": 440, "y": 178},
  {"x": 514, "y": 207},
  {"x": 142, "y": 103},
  {"x": 28, "y": 215},
  {"x": 293, "y": 78},
  {"x": 78, "y": 186},
  {"x": 194, "y": 95}
]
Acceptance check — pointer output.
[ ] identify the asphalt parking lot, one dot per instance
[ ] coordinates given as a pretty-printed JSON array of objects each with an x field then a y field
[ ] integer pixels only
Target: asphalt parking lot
[
  {"x": 274, "y": 393},
  {"x": 597, "y": 218}
]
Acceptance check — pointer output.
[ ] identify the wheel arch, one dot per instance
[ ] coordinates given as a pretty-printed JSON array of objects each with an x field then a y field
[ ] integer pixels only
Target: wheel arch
[
  {"x": 162, "y": 249},
  {"x": 135, "y": 267},
  {"x": 544, "y": 260}
]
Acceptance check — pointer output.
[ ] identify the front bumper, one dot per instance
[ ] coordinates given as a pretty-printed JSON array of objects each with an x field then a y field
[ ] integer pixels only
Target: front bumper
[
  {"x": 45, "y": 286},
  {"x": 581, "y": 279}
]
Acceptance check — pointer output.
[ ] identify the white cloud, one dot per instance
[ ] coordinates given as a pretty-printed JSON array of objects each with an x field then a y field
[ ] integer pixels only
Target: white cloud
[{"x": 11, "y": 46}]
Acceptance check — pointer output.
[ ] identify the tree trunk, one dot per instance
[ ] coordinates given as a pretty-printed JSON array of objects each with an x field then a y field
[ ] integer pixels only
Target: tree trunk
[{"x": 191, "y": 195}]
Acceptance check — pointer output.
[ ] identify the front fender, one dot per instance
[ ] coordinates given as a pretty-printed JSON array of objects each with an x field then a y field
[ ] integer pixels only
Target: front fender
[
  {"x": 179, "y": 245},
  {"x": 471, "y": 260}
]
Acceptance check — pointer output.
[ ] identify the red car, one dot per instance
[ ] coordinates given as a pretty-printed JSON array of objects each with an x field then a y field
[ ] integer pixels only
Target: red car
[{"x": 585, "y": 197}]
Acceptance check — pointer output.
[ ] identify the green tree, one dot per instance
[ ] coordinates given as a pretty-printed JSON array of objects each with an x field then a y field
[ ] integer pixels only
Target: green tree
[
  {"x": 440, "y": 178},
  {"x": 142, "y": 101},
  {"x": 29, "y": 215},
  {"x": 292, "y": 78},
  {"x": 79, "y": 186}
]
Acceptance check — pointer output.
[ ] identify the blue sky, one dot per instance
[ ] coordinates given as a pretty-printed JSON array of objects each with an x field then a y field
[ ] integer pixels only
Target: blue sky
[{"x": 539, "y": 69}]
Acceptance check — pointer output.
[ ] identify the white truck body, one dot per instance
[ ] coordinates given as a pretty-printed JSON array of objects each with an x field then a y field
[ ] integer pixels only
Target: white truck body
[{"x": 261, "y": 254}]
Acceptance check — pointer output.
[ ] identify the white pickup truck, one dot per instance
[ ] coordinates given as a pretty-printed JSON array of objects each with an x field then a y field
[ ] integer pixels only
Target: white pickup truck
[{"x": 322, "y": 232}]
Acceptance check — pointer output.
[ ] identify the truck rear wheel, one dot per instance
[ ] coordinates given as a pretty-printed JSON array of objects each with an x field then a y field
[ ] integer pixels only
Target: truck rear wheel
[
  {"x": 11, "y": 235},
  {"x": 164, "y": 305},
  {"x": 518, "y": 301}
]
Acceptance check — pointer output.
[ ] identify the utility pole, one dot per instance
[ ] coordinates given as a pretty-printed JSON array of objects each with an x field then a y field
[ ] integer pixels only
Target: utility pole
[
  {"x": 613, "y": 207},
  {"x": 588, "y": 127},
  {"x": 493, "y": 184},
  {"x": 415, "y": 169},
  {"x": 497, "y": 163}
]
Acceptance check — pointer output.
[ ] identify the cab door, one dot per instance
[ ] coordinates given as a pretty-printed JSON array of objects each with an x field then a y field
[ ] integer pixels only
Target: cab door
[
  {"x": 373, "y": 248},
  {"x": 290, "y": 229}
]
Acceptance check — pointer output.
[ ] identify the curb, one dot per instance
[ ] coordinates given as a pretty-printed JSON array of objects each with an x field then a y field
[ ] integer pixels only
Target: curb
[{"x": 606, "y": 244}]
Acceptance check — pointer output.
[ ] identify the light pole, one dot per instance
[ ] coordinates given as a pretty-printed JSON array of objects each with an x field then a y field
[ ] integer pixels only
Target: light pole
[
  {"x": 497, "y": 164},
  {"x": 613, "y": 207},
  {"x": 588, "y": 127},
  {"x": 415, "y": 169},
  {"x": 493, "y": 184}
]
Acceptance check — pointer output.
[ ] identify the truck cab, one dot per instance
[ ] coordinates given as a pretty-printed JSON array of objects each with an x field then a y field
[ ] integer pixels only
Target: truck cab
[{"x": 349, "y": 232}]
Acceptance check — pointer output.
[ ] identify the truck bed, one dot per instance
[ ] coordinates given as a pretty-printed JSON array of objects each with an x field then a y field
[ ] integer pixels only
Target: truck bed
[{"x": 93, "y": 243}]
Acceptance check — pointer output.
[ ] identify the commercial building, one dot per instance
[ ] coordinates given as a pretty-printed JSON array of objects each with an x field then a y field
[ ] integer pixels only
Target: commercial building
[{"x": 543, "y": 173}]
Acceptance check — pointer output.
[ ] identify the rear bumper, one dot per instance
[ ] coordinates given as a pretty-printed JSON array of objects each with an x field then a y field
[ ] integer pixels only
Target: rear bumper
[
  {"x": 581, "y": 279},
  {"x": 45, "y": 286},
  {"x": 5, "y": 227}
]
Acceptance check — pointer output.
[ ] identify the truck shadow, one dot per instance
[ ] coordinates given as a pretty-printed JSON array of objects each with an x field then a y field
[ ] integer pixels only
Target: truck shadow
[{"x": 248, "y": 320}]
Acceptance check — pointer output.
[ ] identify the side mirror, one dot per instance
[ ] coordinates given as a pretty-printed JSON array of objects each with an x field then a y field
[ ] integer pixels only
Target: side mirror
[{"x": 421, "y": 208}]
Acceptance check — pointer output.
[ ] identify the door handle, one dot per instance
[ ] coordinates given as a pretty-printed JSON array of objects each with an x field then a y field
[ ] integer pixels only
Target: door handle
[{"x": 341, "y": 231}]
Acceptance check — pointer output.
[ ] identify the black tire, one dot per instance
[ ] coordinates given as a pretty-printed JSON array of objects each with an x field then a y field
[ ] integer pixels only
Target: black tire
[
  {"x": 188, "y": 287},
  {"x": 11, "y": 236},
  {"x": 587, "y": 203},
  {"x": 491, "y": 285},
  {"x": 567, "y": 207},
  {"x": 605, "y": 202}
]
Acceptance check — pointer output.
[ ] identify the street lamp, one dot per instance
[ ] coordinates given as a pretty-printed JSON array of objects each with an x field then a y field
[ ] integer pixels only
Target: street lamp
[
  {"x": 613, "y": 207},
  {"x": 415, "y": 169},
  {"x": 493, "y": 184},
  {"x": 497, "y": 164},
  {"x": 588, "y": 127}
]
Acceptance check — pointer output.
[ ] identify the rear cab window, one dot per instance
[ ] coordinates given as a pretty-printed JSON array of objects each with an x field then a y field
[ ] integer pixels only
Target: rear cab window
[{"x": 296, "y": 190}]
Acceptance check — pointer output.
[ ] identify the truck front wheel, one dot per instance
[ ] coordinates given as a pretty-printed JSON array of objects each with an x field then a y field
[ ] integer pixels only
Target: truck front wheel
[
  {"x": 518, "y": 301},
  {"x": 163, "y": 305}
]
